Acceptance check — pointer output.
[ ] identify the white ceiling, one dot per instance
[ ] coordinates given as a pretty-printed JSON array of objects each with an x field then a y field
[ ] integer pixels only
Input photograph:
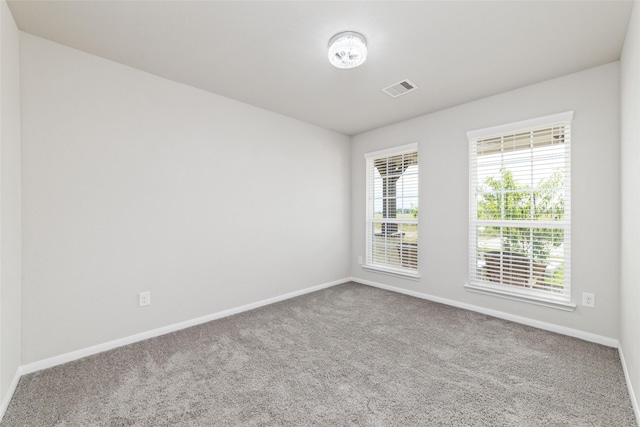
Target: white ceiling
[{"x": 274, "y": 54}]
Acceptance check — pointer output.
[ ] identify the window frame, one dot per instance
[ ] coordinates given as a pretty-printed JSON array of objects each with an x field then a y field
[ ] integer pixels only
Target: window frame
[
  {"x": 370, "y": 220},
  {"x": 505, "y": 290}
]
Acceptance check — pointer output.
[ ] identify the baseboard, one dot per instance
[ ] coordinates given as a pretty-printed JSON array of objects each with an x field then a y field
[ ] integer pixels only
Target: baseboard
[
  {"x": 634, "y": 401},
  {"x": 10, "y": 391},
  {"x": 78, "y": 354},
  {"x": 587, "y": 336}
]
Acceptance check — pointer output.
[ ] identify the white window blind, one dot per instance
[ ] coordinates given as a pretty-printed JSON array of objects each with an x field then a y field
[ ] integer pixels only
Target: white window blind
[
  {"x": 520, "y": 208},
  {"x": 392, "y": 210}
]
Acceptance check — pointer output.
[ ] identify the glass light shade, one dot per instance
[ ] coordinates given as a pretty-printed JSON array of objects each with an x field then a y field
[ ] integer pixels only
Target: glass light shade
[{"x": 347, "y": 50}]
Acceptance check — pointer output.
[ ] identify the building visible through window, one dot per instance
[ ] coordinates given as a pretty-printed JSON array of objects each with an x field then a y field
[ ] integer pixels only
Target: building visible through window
[{"x": 392, "y": 210}]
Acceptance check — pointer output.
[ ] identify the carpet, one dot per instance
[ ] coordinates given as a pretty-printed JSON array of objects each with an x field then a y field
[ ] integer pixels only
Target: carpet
[{"x": 346, "y": 355}]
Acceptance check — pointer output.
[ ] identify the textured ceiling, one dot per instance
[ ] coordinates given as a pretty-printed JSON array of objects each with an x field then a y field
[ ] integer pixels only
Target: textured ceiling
[{"x": 274, "y": 54}]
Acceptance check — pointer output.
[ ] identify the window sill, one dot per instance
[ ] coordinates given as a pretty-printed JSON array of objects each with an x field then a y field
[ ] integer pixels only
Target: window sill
[
  {"x": 393, "y": 272},
  {"x": 560, "y": 305}
]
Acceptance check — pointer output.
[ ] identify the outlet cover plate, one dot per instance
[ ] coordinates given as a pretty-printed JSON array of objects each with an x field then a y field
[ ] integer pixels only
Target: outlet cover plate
[
  {"x": 588, "y": 300},
  {"x": 144, "y": 298}
]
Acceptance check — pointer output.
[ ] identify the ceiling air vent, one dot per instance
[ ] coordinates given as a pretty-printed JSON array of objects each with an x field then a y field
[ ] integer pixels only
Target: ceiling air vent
[{"x": 400, "y": 88}]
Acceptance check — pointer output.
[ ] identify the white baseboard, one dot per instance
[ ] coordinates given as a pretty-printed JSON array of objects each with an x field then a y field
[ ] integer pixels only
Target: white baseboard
[
  {"x": 10, "y": 391},
  {"x": 587, "y": 336},
  {"x": 78, "y": 354},
  {"x": 634, "y": 401}
]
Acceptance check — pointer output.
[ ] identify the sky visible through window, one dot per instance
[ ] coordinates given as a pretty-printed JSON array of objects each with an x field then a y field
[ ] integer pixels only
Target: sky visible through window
[{"x": 530, "y": 167}]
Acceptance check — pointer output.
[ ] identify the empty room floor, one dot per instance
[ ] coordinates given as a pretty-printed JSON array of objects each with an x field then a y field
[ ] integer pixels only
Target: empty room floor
[{"x": 347, "y": 355}]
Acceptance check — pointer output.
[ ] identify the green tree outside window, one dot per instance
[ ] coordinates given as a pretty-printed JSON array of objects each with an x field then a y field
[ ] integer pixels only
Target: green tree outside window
[{"x": 502, "y": 198}]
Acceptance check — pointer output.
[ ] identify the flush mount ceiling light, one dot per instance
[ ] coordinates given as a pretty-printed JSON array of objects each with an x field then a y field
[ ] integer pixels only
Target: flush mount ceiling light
[{"x": 347, "y": 50}]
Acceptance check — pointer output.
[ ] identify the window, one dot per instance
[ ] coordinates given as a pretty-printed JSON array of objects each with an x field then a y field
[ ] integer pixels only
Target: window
[
  {"x": 392, "y": 210},
  {"x": 520, "y": 210}
]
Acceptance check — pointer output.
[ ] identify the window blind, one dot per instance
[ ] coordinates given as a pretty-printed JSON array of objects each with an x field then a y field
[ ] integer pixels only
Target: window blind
[
  {"x": 520, "y": 208},
  {"x": 392, "y": 210}
]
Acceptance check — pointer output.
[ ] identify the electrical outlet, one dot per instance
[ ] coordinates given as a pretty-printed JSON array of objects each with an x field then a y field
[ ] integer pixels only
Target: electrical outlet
[
  {"x": 144, "y": 298},
  {"x": 588, "y": 300},
  {"x": 360, "y": 260}
]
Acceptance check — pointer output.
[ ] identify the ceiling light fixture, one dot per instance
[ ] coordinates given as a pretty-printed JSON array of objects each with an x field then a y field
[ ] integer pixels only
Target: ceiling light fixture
[{"x": 347, "y": 50}]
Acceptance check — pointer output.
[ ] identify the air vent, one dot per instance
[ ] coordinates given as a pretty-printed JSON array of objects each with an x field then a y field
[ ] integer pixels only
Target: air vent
[{"x": 400, "y": 88}]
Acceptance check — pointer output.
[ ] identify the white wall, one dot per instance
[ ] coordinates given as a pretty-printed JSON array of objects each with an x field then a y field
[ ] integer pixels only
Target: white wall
[
  {"x": 132, "y": 182},
  {"x": 630, "y": 212},
  {"x": 10, "y": 212},
  {"x": 444, "y": 191}
]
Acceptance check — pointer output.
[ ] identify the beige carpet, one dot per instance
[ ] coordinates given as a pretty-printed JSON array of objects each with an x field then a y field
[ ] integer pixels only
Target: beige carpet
[{"x": 348, "y": 355}]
